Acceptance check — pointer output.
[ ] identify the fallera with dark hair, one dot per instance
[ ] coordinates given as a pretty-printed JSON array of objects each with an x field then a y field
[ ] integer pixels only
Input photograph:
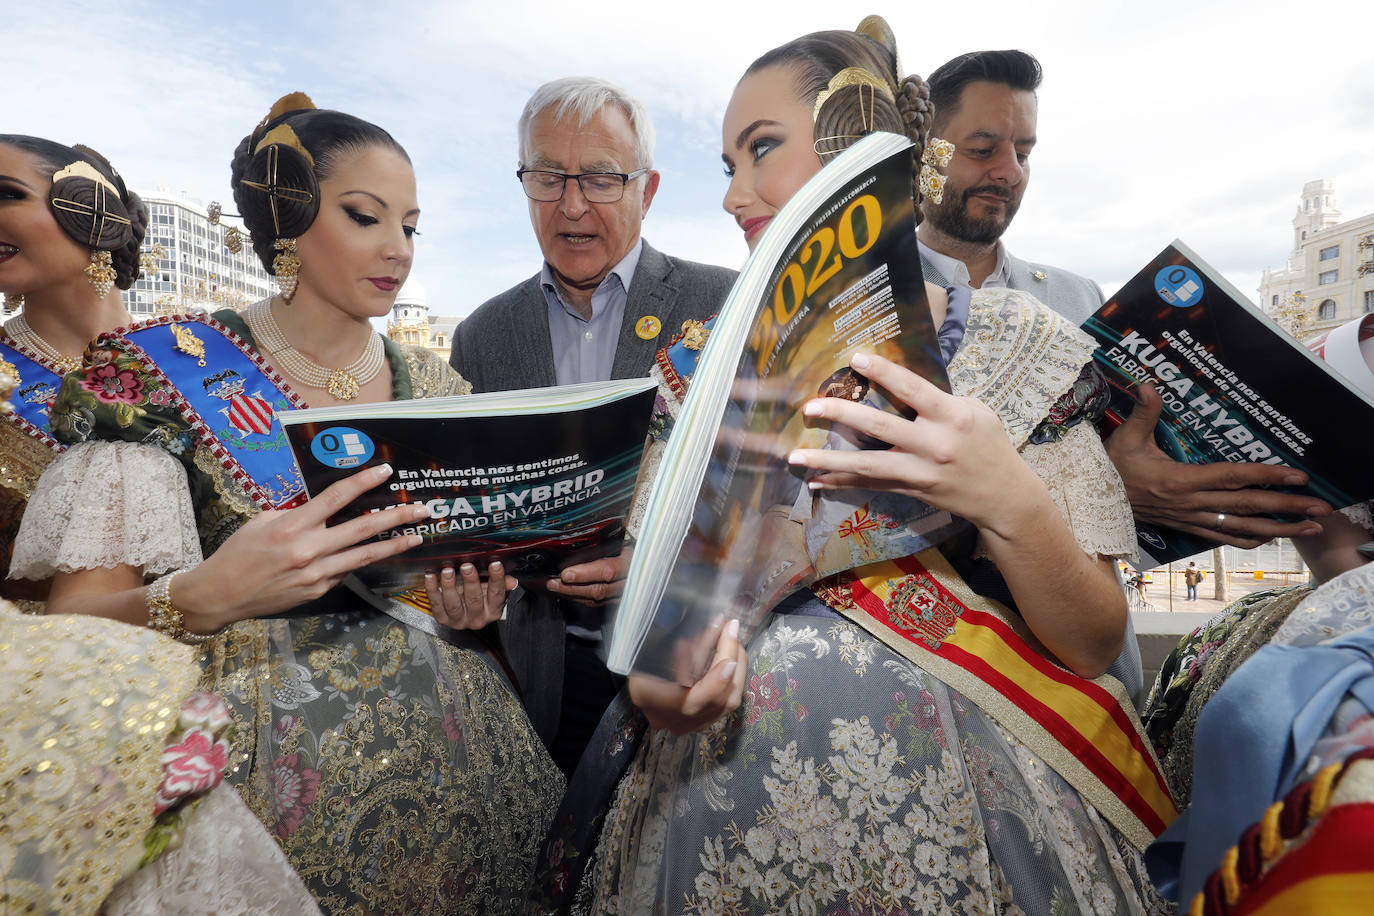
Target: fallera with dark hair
[
  {"x": 123, "y": 245},
  {"x": 277, "y": 168},
  {"x": 1015, "y": 69}
]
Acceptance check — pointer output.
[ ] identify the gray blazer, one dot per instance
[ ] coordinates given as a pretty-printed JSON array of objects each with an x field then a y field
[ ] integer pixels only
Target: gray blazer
[
  {"x": 505, "y": 344},
  {"x": 1076, "y": 298},
  {"x": 1073, "y": 296}
]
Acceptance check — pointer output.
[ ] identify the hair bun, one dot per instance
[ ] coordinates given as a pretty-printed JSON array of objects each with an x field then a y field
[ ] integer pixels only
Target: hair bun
[
  {"x": 280, "y": 195},
  {"x": 90, "y": 207}
]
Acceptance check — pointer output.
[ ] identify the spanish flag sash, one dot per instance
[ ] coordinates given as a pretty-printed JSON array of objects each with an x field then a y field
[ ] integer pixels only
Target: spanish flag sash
[{"x": 920, "y": 608}]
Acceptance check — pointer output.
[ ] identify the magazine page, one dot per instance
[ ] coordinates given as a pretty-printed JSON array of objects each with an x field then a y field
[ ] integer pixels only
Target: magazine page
[
  {"x": 1235, "y": 387},
  {"x": 730, "y": 528},
  {"x": 538, "y": 479}
]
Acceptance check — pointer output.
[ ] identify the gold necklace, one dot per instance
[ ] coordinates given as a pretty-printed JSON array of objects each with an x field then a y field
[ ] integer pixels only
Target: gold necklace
[
  {"x": 18, "y": 329},
  {"x": 342, "y": 384}
]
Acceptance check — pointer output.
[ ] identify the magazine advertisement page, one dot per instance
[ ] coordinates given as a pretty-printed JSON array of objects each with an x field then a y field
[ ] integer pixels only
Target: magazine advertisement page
[
  {"x": 538, "y": 479},
  {"x": 730, "y": 528},
  {"x": 1235, "y": 387}
]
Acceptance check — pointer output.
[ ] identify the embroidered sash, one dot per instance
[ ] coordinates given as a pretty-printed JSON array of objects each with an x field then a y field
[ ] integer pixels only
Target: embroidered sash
[
  {"x": 33, "y": 395},
  {"x": 920, "y": 608},
  {"x": 227, "y": 394}
]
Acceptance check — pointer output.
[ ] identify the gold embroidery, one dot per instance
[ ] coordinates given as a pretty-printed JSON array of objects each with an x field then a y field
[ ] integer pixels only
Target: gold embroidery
[{"x": 188, "y": 343}]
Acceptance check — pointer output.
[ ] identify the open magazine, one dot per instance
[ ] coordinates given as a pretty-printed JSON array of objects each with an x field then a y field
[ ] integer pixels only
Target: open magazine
[
  {"x": 538, "y": 479},
  {"x": 730, "y": 528},
  {"x": 1235, "y": 387}
]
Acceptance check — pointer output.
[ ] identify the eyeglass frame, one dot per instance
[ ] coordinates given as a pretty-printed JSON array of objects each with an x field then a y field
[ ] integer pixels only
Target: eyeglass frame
[{"x": 625, "y": 179}]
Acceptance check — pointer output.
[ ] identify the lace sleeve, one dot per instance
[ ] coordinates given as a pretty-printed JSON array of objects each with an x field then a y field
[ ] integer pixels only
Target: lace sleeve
[
  {"x": 1087, "y": 489},
  {"x": 103, "y": 504}
]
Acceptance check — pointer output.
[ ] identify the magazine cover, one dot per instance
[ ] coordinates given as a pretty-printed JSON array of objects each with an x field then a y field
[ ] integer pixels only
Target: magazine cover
[
  {"x": 1235, "y": 386},
  {"x": 538, "y": 479},
  {"x": 730, "y": 528}
]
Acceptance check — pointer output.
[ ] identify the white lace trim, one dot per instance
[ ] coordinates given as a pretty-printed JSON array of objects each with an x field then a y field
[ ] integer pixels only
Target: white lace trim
[
  {"x": 227, "y": 864},
  {"x": 1085, "y": 486},
  {"x": 1361, "y": 514},
  {"x": 1341, "y": 606},
  {"x": 1017, "y": 357},
  {"x": 106, "y": 504}
]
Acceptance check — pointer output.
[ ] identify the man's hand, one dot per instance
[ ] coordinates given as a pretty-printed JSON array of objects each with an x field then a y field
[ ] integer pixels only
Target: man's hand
[
  {"x": 1194, "y": 498},
  {"x": 596, "y": 583}
]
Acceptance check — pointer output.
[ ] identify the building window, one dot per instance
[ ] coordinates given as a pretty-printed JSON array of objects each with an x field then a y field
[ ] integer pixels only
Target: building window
[
  {"x": 1328, "y": 276},
  {"x": 1274, "y": 303},
  {"x": 1304, "y": 235},
  {"x": 1327, "y": 310},
  {"x": 1369, "y": 300},
  {"x": 1329, "y": 254}
]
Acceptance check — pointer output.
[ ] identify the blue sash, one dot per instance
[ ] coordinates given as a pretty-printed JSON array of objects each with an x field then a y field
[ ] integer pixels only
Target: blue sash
[
  {"x": 34, "y": 395},
  {"x": 228, "y": 395}
]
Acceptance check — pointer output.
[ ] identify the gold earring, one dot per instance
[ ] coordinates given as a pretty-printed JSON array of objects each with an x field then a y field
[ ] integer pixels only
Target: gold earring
[
  {"x": 101, "y": 272},
  {"x": 14, "y": 302},
  {"x": 286, "y": 266}
]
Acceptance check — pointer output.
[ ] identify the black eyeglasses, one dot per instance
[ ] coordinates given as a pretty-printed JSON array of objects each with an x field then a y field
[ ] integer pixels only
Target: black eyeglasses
[{"x": 597, "y": 187}]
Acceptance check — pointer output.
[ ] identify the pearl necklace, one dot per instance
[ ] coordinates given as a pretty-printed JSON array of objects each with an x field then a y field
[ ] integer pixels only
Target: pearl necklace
[
  {"x": 18, "y": 329},
  {"x": 342, "y": 384}
]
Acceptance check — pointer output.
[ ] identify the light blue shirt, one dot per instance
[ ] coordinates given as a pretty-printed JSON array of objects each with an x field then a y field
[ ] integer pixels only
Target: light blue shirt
[{"x": 584, "y": 349}]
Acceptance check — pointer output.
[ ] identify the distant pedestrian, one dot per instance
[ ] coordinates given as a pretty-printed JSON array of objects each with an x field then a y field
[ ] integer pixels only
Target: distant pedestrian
[{"x": 1191, "y": 577}]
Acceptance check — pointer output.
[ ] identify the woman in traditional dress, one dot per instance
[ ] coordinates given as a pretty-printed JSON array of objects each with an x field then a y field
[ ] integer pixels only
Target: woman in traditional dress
[
  {"x": 867, "y": 775},
  {"x": 396, "y": 769},
  {"x": 52, "y": 245}
]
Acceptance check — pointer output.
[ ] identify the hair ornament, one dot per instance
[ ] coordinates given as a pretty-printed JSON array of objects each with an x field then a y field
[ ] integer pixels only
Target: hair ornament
[
  {"x": 90, "y": 207},
  {"x": 853, "y": 76},
  {"x": 937, "y": 155},
  {"x": 283, "y": 135}
]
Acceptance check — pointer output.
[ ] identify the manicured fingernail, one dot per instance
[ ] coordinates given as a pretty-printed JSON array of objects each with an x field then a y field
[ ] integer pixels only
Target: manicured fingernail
[
  {"x": 732, "y": 628},
  {"x": 1294, "y": 480},
  {"x": 414, "y": 540},
  {"x": 383, "y": 471},
  {"x": 429, "y": 577},
  {"x": 860, "y": 361},
  {"x": 554, "y": 584},
  {"x": 469, "y": 568},
  {"x": 448, "y": 572},
  {"x": 812, "y": 408},
  {"x": 496, "y": 565},
  {"x": 815, "y": 485},
  {"x": 1310, "y": 530},
  {"x": 419, "y": 510},
  {"x": 728, "y": 671},
  {"x": 795, "y": 457}
]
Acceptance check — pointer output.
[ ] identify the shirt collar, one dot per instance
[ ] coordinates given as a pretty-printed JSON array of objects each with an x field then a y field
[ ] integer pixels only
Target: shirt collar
[
  {"x": 622, "y": 273},
  {"x": 955, "y": 271}
]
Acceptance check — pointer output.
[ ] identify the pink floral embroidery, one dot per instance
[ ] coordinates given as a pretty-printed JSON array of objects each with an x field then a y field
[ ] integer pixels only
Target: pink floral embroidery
[
  {"x": 193, "y": 765},
  {"x": 204, "y": 710},
  {"x": 765, "y": 690},
  {"x": 160, "y": 397},
  {"x": 113, "y": 385},
  {"x": 293, "y": 791},
  {"x": 453, "y": 727}
]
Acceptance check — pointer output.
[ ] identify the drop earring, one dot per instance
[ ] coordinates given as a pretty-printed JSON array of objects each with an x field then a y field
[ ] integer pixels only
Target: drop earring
[
  {"x": 286, "y": 266},
  {"x": 101, "y": 272}
]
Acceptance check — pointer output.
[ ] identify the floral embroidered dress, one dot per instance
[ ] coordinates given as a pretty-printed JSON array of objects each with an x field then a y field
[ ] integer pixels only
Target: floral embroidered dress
[
  {"x": 851, "y": 780},
  {"x": 397, "y": 772}
]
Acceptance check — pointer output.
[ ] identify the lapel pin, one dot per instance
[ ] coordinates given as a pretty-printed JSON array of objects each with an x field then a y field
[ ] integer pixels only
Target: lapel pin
[
  {"x": 1038, "y": 274},
  {"x": 648, "y": 327}
]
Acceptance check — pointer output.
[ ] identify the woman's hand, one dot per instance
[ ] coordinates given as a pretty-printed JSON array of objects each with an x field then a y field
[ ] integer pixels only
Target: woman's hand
[
  {"x": 281, "y": 560},
  {"x": 468, "y": 605},
  {"x": 954, "y": 455},
  {"x": 682, "y": 709}
]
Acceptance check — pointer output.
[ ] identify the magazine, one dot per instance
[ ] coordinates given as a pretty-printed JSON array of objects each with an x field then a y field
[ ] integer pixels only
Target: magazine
[
  {"x": 729, "y": 527},
  {"x": 1235, "y": 387},
  {"x": 538, "y": 479}
]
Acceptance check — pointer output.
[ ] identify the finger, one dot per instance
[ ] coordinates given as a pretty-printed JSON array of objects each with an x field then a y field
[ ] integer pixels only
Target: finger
[
  {"x": 843, "y": 480},
  {"x": 437, "y": 608},
  {"x": 1189, "y": 479},
  {"x": 901, "y": 469},
  {"x": 1240, "y": 529},
  {"x": 494, "y": 593},
  {"x": 603, "y": 570},
  {"x": 339, "y": 494},
  {"x": 473, "y": 595},
  {"x": 1138, "y": 429},
  {"x": 904, "y": 385},
  {"x": 366, "y": 526},
  {"x": 1250, "y": 501},
  {"x": 346, "y": 561}
]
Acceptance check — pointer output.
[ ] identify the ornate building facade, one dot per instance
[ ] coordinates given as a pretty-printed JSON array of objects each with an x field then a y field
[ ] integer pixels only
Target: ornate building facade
[
  {"x": 1329, "y": 277},
  {"x": 411, "y": 323}
]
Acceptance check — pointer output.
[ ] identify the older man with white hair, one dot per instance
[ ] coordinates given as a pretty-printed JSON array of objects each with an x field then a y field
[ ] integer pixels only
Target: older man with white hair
[{"x": 601, "y": 305}]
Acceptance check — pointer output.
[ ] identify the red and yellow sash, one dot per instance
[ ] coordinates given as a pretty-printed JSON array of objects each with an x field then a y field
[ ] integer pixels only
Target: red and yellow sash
[{"x": 920, "y": 608}]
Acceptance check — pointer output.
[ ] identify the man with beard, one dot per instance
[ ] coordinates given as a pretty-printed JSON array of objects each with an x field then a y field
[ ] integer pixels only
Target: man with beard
[{"x": 985, "y": 104}]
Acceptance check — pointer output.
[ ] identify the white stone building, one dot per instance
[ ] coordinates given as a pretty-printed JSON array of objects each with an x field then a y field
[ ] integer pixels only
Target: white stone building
[
  {"x": 186, "y": 264},
  {"x": 411, "y": 323},
  {"x": 1330, "y": 271}
]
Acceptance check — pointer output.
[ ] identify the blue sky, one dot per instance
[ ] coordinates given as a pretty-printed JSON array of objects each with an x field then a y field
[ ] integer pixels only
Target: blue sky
[{"x": 1194, "y": 119}]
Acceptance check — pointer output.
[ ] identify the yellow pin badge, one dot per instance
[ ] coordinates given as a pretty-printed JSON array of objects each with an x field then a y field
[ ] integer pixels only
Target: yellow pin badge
[{"x": 648, "y": 327}]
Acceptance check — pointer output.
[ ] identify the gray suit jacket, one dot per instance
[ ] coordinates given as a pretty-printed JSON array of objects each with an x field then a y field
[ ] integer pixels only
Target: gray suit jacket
[
  {"x": 1076, "y": 298},
  {"x": 505, "y": 344}
]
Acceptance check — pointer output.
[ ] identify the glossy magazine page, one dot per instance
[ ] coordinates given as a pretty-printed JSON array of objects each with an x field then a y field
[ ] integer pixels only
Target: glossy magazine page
[
  {"x": 730, "y": 527},
  {"x": 538, "y": 479},
  {"x": 1235, "y": 387}
]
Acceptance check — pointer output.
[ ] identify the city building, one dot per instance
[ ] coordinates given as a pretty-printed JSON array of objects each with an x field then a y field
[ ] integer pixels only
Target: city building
[
  {"x": 186, "y": 266},
  {"x": 1329, "y": 277},
  {"x": 411, "y": 323}
]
